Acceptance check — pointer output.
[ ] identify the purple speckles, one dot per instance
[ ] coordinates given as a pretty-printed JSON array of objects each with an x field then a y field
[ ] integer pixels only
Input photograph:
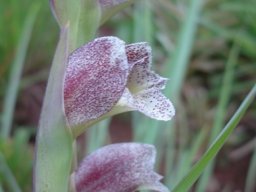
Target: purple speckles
[
  {"x": 139, "y": 53},
  {"x": 106, "y": 75},
  {"x": 119, "y": 168},
  {"x": 95, "y": 79},
  {"x": 145, "y": 85},
  {"x": 154, "y": 104}
]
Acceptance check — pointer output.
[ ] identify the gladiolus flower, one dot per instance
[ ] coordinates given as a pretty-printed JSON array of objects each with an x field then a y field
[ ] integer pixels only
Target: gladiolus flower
[
  {"x": 124, "y": 167},
  {"x": 106, "y": 77}
]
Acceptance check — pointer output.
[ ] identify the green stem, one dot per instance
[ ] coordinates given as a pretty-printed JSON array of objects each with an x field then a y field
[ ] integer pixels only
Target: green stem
[{"x": 54, "y": 139}]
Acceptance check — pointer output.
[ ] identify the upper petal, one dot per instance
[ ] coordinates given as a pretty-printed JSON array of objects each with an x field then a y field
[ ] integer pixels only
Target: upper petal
[
  {"x": 118, "y": 168},
  {"x": 95, "y": 79},
  {"x": 139, "y": 53},
  {"x": 141, "y": 77},
  {"x": 145, "y": 86}
]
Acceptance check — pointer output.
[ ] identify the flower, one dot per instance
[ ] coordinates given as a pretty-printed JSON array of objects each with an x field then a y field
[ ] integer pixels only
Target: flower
[
  {"x": 106, "y": 77},
  {"x": 123, "y": 167}
]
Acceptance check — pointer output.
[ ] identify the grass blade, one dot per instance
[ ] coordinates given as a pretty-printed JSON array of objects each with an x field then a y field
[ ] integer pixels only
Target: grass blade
[
  {"x": 198, "y": 168},
  {"x": 251, "y": 176},
  {"x": 188, "y": 156},
  {"x": 97, "y": 135},
  {"x": 177, "y": 69},
  {"x": 10, "y": 179},
  {"x": 15, "y": 76},
  {"x": 221, "y": 111},
  {"x": 176, "y": 73}
]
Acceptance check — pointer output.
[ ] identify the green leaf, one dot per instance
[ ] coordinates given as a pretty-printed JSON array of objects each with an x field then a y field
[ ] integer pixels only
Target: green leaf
[
  {"x": 16, "y": 70},
  {"x": 251, "y": 175},
  {"x": 176, "y": 70},
  {"x": 180, "y": 58},
  {"x": 1, "y": 188},
  {"x": 198, "y": 168},
  {"x": 54, "y": 139},
  {"x": 8, "y": 175},
  {"x": 97, "y": 135},
  {"x": 221, "y": 111}
]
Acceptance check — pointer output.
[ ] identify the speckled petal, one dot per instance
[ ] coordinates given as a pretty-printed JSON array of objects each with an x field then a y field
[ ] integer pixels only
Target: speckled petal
[
  {"x": 145, "y": 85},
  {"x": 118, "y": 168},
  {"x": 154, "y": 104},
  {"x": 139, "y": 53},
  {"x": 95, "y": 79},
  {"x": 150, "y": 102},
  {"x": 141, "y": 77}
]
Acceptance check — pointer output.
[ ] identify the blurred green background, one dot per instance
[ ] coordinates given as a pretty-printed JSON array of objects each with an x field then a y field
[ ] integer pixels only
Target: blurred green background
[{"x": 207, "y": 48}]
